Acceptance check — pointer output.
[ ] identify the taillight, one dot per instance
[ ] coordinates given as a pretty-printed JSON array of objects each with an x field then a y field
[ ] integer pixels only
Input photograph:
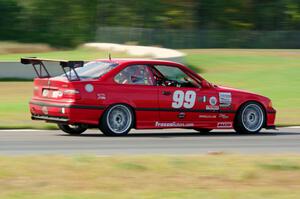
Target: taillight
[
  {"x": 71, "y": 93},
  {"x": 35, "y": 90}
]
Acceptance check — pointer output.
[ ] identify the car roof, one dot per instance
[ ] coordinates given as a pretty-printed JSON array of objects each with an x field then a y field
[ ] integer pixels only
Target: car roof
[
  {"x": 139, "y": 61},
  {"x": 130, "y": 61}
]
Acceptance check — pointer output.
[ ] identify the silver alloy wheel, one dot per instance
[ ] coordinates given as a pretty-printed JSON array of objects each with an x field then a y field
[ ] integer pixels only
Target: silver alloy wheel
[
  {"x": 119, "y": 119},
  {"x": 252, "y": 117}
]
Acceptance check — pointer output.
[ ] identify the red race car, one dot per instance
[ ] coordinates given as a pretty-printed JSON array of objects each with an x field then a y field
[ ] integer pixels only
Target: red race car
[{"x": 117, "y": 95}]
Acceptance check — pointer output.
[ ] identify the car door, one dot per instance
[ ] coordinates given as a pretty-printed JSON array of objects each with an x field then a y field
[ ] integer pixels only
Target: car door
[
  {"x": 182, "y": 101},
  {"x": 136, "y": 86}
]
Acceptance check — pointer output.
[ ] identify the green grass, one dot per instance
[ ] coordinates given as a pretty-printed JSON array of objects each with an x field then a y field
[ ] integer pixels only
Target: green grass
[
  {"x": 273, "y": 73},
  {"x": 167, "y": 177},
  {"x": 77, "y": 54},
  {"x": 14, "y": 111}
]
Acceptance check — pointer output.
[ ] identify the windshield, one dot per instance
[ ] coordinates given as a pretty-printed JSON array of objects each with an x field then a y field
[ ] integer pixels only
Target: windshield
[{"x": 92, "y": 70}]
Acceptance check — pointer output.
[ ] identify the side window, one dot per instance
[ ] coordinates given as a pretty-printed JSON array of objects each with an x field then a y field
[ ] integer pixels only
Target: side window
[
  {"x": 174, "y": 76},
  {"x": 135, "y": 74}
]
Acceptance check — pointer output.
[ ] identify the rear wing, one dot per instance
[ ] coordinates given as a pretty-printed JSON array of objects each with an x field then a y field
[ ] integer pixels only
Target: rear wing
[{"x": 67, "y": 66}]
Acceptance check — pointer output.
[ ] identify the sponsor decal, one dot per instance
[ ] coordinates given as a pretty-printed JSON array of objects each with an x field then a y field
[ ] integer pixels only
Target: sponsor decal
[
  {"x": 213, "y": 101},
  {"x": 202, "y": 99},
  {"x": 173, "y": 124},
  {"x": 224, "y": 125},
  {"x": 207, "y": 116},
  {"x": 89, "y": 88},
  {"x": 225, "y": 99},
  {"x": 226, "y": 106},
  {"x": 101, "y": 96},
  {"x": 223, "y": 116},
  {"x": 211, "y": 107}
]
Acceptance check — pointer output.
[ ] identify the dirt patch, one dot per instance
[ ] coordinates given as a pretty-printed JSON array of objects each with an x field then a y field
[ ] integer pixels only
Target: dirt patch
[{"x": 13, "y": 47}]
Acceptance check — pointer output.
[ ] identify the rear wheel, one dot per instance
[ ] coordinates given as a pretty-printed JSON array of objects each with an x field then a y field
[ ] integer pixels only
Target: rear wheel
[
  {"x": 203, "y": 130},
  {"x": 117, "y": 120},
  {"x": 250, "y": 118},
  {"x": 72, "y": 129}
]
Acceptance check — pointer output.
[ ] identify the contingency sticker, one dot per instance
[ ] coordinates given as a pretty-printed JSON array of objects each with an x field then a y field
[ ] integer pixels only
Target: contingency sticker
[
  {"x": 101, "y": 96},
  {"x": 225, "y": 99},
  {"x": 223, "y": 116},
  {"x": 212, "y": 108},
  {"x": 224, "y": 125},
  {"x": 202, "y": 99},
  {"x": 208, "y": 116},
  {"x": 213, "y": 101}
]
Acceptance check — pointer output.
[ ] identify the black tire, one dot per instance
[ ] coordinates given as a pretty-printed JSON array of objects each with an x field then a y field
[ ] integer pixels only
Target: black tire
[
  {"x": 117, "y": 120},
  {"x": 203, "y": 130},
  {"x": 72, "y": 129},
  {"x": 250, "y": 118}
]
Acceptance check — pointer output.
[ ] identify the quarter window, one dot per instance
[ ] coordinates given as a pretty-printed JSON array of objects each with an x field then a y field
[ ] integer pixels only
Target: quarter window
[
  {"x": 135, "y": 74},
  {"x": 92, "y": 70}
]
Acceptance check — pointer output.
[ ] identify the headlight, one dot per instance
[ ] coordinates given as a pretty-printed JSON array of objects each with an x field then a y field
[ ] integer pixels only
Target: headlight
[{"x": 270, "y": 105}]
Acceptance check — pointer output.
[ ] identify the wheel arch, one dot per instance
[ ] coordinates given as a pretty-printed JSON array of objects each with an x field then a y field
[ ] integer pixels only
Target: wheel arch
[{"x": 254, "y": 101}]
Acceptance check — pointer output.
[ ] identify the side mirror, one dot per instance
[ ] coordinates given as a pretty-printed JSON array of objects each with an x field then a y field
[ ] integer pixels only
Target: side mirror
[{"x": 205, "y": 84}]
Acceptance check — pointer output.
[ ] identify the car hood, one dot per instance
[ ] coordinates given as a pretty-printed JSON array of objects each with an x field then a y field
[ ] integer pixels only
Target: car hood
[{"x": 239, "y": 91}]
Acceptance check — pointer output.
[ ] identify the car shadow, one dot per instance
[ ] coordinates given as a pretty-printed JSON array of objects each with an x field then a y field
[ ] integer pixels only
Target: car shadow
[{"x": 189, "y": 134}]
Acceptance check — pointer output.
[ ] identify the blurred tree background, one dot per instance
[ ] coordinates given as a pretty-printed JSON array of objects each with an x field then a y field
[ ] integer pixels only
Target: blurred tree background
[{"x": 69, "y": 23}]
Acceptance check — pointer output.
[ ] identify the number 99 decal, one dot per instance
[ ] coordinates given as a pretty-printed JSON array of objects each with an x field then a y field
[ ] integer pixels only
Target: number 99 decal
[{"x": 181, "y": 99}]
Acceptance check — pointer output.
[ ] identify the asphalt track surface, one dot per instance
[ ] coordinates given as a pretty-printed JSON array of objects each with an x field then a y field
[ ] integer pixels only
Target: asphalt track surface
[{"x": 171, "y": 141}]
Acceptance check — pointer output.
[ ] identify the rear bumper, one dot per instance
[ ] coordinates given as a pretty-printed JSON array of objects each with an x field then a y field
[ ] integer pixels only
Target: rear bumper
[
  {"x": 69, "y": 113},
  {"x": 50, "y": 118}
]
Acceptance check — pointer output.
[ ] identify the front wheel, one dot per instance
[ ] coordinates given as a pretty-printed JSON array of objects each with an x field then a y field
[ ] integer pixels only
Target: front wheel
[
  {"x": 117, "y": 120},
  {"x": 72, "y": 129},
  {"x": 250, "y": 118}
]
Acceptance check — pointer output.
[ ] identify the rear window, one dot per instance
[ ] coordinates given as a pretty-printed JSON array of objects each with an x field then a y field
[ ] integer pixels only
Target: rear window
[{"x": 92, "y": 70}]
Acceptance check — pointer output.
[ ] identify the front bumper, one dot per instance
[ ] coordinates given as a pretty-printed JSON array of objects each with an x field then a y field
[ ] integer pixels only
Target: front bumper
[
  {"x": 271, "y": 127},
  {"x": 271, "y": 115}
]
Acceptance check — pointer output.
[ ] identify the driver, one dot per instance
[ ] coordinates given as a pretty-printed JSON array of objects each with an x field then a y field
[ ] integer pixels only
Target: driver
[
  {"x": 137, "y": 75},
  {"x": 133, "y": 75}
]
